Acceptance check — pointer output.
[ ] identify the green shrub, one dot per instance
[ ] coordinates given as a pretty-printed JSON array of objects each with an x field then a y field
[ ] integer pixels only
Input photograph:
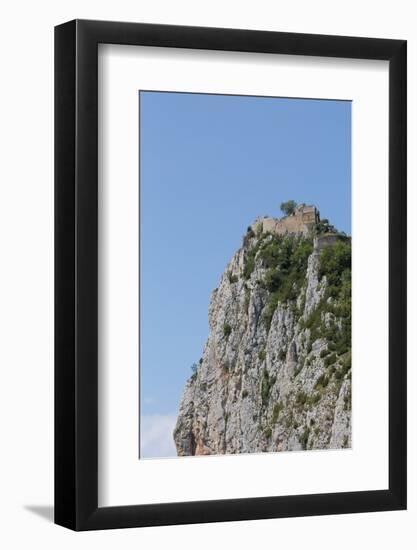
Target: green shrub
[
  {"x": 266, "y": 385},
  {"x": 227, "y": 329},
  {"x": 232, "y": 278},
  {"x": 278, "y": 407},
  {"x": 304, "y": 438},
  {"x": 330, "y": 359},
  {"x": 339, "y": 339},
  {"x": 324, "y": 353},
  {"x": 334, "y": 260},
  {"x": 322, "y": 382},
  {"x": 313, "y": 399},
  {"x": 273, "y": 279},
  {"x": 276, "y": 253},
  {"x": 249, "y": 262},
  {"x": 288, "y": 207},
  {"x": 286, "y": 260},
  {"x": 323, "y": 226},
  {"x": 301, "y": 398},
  {"x": 314, "y": 322},
  {"x": 347, "y": 362},
  {"x": 268, "y": 432},
  {"x": 282, "y": 354},
  {"x": 331, "y": 370},
  {"x": 301, "y": 253},
  {"x": 344, "y": 369},
  {"x": 244, "y": 394},
  {"x": 262, "y": 355}
]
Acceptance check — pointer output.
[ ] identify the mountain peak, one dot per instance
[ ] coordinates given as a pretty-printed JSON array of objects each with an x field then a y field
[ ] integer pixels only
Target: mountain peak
[{"x": 275, "y": 372}]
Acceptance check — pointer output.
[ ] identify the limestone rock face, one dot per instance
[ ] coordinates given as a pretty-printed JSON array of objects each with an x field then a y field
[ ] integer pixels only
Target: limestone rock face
[{"x": 275, "y": 371}]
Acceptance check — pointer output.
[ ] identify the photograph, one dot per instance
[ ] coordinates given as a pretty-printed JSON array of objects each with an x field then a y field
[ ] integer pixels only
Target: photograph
[
  {"x": 191, "y": 353},
  {"x": 245, "y": 274}
]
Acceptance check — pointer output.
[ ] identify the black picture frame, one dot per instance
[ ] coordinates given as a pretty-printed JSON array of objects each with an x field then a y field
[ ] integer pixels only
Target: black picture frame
[{"x": 76, "y": 272}]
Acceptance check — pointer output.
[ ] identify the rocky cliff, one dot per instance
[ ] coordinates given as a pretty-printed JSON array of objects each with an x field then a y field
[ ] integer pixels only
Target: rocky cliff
[{"x": 275, "y": 373}]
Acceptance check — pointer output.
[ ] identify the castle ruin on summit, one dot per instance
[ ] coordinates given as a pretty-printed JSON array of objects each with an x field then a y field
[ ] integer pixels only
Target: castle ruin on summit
[{"x": 302, "y": 220}]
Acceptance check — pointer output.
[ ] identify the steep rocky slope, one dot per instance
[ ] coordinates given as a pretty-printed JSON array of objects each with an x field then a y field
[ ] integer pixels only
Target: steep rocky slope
[{"x": 275, "y": 373}]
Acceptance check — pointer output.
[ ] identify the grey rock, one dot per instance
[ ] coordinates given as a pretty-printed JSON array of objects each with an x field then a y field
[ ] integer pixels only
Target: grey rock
[{"x": 265, "y": 388}]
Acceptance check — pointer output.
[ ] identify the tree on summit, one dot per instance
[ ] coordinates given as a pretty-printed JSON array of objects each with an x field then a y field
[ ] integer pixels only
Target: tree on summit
[{"x": 288, "y": 207}]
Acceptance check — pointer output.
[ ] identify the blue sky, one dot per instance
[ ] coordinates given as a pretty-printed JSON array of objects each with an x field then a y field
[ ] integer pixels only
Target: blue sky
[{"x": 209, "y": 165}]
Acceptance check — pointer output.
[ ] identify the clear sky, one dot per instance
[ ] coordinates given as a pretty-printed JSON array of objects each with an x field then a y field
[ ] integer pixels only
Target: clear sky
[{"x": 209, "y": 165}]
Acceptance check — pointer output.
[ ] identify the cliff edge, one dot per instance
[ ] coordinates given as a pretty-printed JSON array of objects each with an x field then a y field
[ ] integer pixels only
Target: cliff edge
[{"x": 275, "y": 373}]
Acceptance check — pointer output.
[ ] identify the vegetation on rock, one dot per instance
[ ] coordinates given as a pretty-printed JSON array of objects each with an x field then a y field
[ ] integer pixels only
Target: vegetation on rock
[
  {"x": 281, "y": 373},
  {"x": 288, "y": 207}
]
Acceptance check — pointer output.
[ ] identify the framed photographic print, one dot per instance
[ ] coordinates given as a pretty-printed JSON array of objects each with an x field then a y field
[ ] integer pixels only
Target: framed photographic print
[{"x": 230, "y": 252}]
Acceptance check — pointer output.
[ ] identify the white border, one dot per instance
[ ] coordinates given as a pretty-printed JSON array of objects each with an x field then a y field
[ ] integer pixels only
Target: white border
[{"x": 123, "y": 479}]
